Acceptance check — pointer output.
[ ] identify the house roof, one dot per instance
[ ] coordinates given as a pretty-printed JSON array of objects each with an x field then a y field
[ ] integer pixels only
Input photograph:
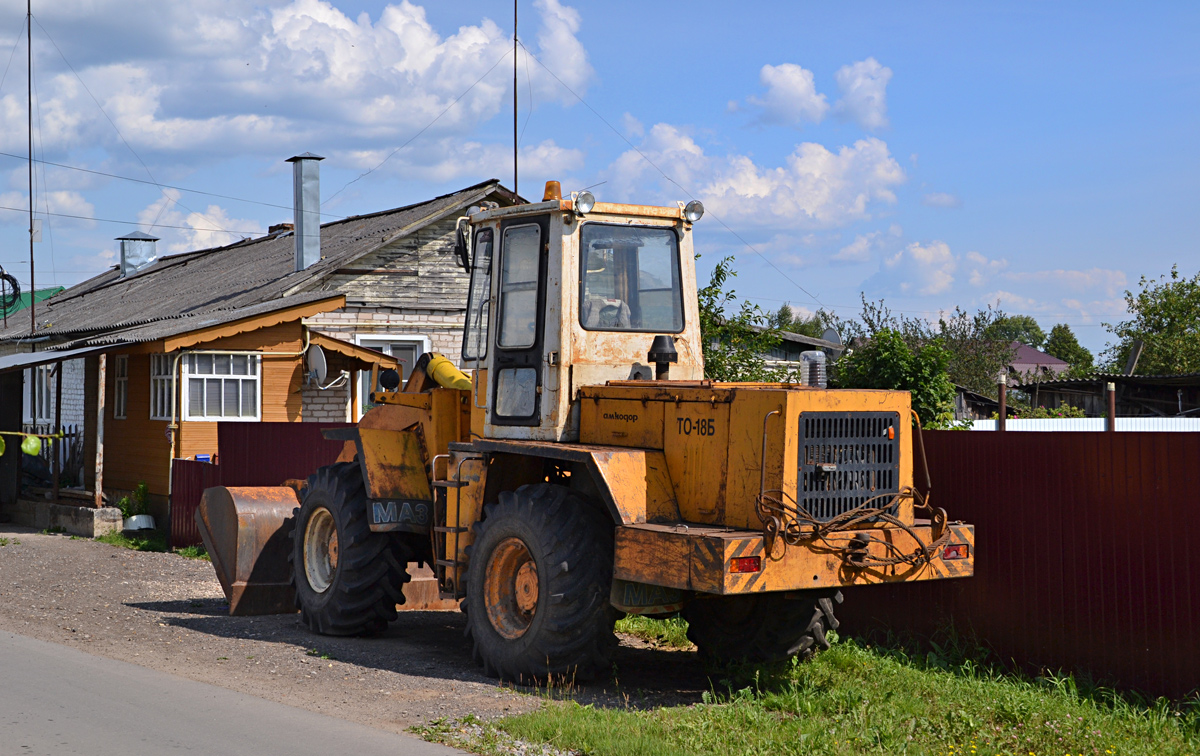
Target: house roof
[
  {"x": 1098, "y": 379},
  {"x": 1023, "y": 354},
  {"x": 187, "y": 290}
]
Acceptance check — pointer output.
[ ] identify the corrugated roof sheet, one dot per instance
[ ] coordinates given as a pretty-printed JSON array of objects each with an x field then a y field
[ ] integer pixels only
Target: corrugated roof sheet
[
  {"x": 1184, "y": 379},
  {"x": 186, "y": 287}
]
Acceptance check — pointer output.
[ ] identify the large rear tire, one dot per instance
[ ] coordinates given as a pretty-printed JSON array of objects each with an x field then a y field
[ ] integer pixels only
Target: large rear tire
[
  {"x": 762, "y": 627},
  {"x": 538, "y": 584},
  {"x": 348, "y": 579}
]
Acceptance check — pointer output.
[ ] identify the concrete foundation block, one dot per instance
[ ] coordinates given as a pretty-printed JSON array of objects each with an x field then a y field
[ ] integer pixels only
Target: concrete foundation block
[{"x": 80, "y": 521}]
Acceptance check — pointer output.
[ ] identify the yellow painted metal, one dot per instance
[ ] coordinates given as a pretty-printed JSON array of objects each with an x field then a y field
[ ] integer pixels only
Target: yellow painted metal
[
  {"x": 640, "y": 484},
  {"x": 699, "y": 559},
  {"x": 393, "y": 464},
  {"x": 446, "y": 374}
]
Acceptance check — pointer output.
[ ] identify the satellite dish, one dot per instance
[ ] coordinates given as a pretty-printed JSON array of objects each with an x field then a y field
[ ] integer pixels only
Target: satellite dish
[
  {"x": 831, "y": 335},
  {"x": 318, "y": 368}
]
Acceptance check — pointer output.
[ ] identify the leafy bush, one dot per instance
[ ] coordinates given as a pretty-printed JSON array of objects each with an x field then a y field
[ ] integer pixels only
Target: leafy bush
[
  {"x": 136, "y": 504},
  {"x": 887, "y": 361}
]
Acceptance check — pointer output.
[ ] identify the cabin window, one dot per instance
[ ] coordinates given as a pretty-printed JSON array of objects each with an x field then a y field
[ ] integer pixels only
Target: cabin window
[
  {"x": 40, "y": 408},
  {"x": 120, "y": 385},
  {"x": 519, "y": 286},
  {"x": 162, "y": 387},
  {"x": 221, "y": 387},
  {"x": 630, "y": 279},
  {"x": 475, "y": 334}
]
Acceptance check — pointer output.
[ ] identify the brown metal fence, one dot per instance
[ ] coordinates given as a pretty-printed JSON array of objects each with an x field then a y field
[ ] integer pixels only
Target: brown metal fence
[
  {"x": 250, "y": 454},
  {"x": 1087, "y": 555}
]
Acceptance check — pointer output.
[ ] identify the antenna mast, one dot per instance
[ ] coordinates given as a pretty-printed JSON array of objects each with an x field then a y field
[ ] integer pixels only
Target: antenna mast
[
  {"x": 515, "y": 191},
  {"x": 29, "y": 103}
]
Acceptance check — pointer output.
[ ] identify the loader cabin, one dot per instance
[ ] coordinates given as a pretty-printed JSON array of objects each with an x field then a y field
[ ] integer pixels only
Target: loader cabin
[{"x": 572, "y": 292}]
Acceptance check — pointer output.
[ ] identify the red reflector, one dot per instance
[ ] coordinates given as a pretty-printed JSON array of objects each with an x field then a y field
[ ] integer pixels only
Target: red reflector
[
  {"x": 745, "y": 564},
  {"x": 956, "y": 551}
]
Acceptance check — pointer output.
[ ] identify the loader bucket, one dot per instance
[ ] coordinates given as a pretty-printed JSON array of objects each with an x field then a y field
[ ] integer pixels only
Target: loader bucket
[{"x": 247, "y": 532}]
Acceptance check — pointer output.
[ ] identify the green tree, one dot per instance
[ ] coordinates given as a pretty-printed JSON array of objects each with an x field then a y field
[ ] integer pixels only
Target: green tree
[
  {"x": 973, "y": 358},
  {"x": 1166, "y": 319},
  {"x": 1022, "y": 328},
  {"x": 1063, "y": 345},
  {"x": 735, "y": 336},
  {"x": 785, "y": 319},
  {"x": 889, "y": 361}
]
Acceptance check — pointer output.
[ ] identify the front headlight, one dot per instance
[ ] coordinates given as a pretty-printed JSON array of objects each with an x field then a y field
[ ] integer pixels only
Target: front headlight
[
  {"x": 694, "y": 211},
  {"x": 584, "y": 202}
]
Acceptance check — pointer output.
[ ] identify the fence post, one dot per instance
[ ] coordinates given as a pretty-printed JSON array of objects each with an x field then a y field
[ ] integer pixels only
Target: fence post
[
  {"x": 1110, "y": 422},
  {"x": 1002, "y": 394}
]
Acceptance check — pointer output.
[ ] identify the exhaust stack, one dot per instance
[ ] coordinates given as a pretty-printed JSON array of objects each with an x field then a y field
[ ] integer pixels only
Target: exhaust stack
[
  {"x": 137, "y": 251},
  {"x": 306, "y": 207}
]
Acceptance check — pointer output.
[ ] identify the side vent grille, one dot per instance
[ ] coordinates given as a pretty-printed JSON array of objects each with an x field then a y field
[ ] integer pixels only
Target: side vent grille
[{"x": 847, "y": 458}]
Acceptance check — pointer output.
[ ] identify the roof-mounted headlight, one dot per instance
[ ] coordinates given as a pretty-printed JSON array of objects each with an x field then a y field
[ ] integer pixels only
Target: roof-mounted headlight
[
  {"x": 584, "y": 202},
  {"x": 694, "y": 211}
]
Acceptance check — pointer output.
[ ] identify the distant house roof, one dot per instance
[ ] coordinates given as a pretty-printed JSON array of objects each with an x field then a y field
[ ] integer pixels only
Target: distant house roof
[
  {"x": 1097, "y": 380},
  {"x": 40, "y": 295},
  {"x": 222, "y": 284},
  {"x": 1026, "y": 359}
]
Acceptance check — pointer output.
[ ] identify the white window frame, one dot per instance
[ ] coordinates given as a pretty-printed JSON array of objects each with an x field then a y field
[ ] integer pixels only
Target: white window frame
[
  {"x": 39, "y": 405},
  {"x": 162, "y": 386},
  {"x": 187, "y": 373},
  {"x": 121, "y": 387},
  {"x": 367, "y": 340}
]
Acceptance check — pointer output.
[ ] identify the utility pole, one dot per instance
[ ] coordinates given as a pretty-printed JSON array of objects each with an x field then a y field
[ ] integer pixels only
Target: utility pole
[
  {"x": 29, "y": 103},
  {"x": 515, "y": 191}
]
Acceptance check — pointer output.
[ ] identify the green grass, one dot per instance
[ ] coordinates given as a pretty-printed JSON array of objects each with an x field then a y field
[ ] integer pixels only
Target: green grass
[
  {"x": 856, "y": 699},
  {"x": 193, "y": 552},
  {"x": 670, "y": 633},
  {"x": 154, "y": 540},
  {"x": 3, "y": 541}
]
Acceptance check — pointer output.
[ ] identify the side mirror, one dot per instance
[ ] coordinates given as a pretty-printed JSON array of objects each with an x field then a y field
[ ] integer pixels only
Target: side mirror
[{"x": 462, "y": 247}]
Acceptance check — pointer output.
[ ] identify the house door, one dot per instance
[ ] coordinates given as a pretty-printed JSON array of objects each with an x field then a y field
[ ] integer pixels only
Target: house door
[{"x": 517, "y": 362}]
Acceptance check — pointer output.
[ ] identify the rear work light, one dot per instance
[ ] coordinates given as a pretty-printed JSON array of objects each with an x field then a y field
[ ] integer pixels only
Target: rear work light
[
  {"x": 745, "y": 564},
  {"x": 956, "y": 551}
]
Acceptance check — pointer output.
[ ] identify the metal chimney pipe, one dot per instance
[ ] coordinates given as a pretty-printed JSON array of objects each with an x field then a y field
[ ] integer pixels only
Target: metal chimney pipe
[
  {"x": 306, "y": 208},
  {"x": 137, "y": 251}
]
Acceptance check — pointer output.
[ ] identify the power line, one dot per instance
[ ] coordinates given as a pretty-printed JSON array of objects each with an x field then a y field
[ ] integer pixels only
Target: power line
[
  {"x": 112, "y": 123},
  {"x": 136, "y": 223},
  {"x": 661, "y": 172},
  {"x": 419, "y": 133},
  {"x": 162, "y": 186}
]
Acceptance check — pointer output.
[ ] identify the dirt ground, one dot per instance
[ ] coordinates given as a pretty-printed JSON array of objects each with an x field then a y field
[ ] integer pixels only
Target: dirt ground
[{"x": 168, "y": 613}]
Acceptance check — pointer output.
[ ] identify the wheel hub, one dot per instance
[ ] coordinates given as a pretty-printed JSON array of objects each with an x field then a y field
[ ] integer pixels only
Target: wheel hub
[
  {"x": 511, "y": 588},
  {"x": 320, "y": 550}
]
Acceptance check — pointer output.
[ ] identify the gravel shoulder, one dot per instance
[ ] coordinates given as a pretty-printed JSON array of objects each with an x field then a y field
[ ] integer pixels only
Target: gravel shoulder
[{"x": 167, "y": 613}]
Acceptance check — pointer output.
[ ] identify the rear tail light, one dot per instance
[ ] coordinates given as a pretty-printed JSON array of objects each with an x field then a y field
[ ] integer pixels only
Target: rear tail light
[
  {"x": 745, "y": 564},
  {"x": 956, "y": 551}
]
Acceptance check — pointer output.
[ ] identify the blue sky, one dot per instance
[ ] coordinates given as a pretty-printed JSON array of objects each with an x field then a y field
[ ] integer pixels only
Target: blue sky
[{"x": 934, "y": 154}]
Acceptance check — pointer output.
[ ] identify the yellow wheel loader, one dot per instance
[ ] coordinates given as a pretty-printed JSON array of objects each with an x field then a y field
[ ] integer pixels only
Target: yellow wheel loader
[{"x": 586, "y": 468}]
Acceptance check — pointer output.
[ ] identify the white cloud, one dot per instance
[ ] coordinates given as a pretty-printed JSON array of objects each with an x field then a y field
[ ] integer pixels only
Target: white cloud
[
  {"x": 59, "y": 202},
  {"x": 791, "y": 98},
  {"x": 941, "y": 199},
  {"x": 923, "y": 269},
  {"x": 982, "y": 268},
  {"x": 225, "y": 77},
  {"x": 864, "y": 93},
  {"x": 633, "y": 127},
  {"x": 182, "y": 230},
  {"x": 815, "y": 188},
  {"x": 858, "y": 250}
]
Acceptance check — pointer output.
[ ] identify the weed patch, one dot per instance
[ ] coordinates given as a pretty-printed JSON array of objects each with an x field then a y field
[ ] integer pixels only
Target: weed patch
[
  {"x": 669, "y": 633},
  {"x": 193, "y": 552},
  {"x": 154, "y": 540},
  {"x": 3, "y": 541},
  {"x": 857, "y": 699}
]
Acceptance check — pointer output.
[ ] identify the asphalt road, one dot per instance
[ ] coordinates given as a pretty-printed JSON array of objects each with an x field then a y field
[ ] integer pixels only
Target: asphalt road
[{"x": 56, "y": 700}]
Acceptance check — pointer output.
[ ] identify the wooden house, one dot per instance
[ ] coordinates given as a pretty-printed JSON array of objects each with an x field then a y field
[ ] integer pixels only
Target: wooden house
[{"x": 148, "y": 356}]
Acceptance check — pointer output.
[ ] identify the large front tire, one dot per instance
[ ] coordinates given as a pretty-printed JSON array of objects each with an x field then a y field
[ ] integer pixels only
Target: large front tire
[
  {"x": 762, "y": 627},
  {"x": 348, "y": 579},
  {"x": 538, "y": 585}
]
